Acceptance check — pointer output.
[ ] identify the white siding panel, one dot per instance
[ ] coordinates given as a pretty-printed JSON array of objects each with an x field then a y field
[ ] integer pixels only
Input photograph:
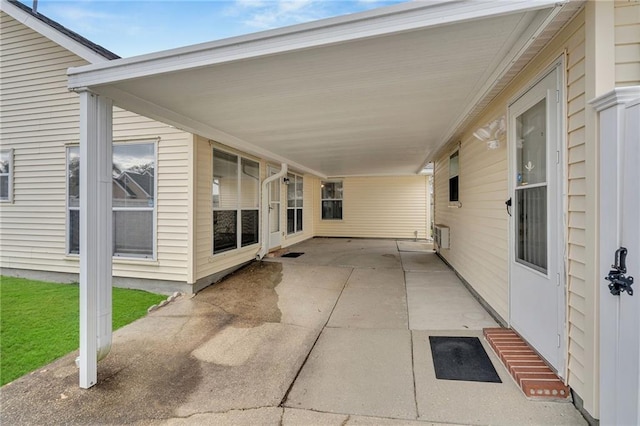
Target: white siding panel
[
  {"x": 627, "y": 39},
  {"x": 378, "y": 207},
  {"x": 39, "y": 117}
]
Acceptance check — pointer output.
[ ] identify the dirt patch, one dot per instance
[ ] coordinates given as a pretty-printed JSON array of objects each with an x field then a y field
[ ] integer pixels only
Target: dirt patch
[{"x": 248, "y": 295}]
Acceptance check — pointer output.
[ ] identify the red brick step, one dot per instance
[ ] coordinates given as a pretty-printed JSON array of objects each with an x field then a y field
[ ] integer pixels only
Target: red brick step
[{"x": 527, "y": 368}]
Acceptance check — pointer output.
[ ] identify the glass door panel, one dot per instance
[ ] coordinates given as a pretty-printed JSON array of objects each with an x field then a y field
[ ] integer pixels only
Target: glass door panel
[{"x": 531, "y": 187}]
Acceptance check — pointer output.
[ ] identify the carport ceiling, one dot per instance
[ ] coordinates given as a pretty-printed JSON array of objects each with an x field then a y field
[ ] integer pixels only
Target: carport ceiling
[{"x": 368, "y": 94}]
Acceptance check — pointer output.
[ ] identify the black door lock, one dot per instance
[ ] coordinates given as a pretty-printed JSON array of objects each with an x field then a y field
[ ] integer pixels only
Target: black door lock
[{"x": 618, "y": 282}]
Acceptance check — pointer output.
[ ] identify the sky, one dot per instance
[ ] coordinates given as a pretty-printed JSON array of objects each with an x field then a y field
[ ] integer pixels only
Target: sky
[{"x": 133, "y": 27}]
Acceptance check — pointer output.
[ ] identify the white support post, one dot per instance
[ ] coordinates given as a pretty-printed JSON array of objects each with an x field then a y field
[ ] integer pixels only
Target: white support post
[{"x": 95, "y": 233}]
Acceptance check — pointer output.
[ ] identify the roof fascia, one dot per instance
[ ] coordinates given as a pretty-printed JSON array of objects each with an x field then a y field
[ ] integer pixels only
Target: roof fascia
[
  {"x": 51, "y": 33},
  {"x": 133, "y": 103},
  {"x": 384, "y": 21}
]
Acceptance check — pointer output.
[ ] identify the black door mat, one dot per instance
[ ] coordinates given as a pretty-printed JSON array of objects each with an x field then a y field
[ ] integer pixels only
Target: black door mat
[
  {"x": 462, "y": 358},
  {"x": 293, "y": 254}
]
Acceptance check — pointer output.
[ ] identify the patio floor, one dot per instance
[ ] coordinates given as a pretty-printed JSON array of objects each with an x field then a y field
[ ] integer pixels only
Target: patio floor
[{"x": 337, "y": 336}]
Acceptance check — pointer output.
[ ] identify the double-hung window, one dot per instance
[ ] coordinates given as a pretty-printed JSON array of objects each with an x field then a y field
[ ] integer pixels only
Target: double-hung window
[
  {"x": 332, "y": 200},
  {"x": 294, "y": 204},
  {"x": 454, "y": 170},
  {"x": 134, "y": 199},
  {"x": 236, "y": 188},
  {"x": 6, "y": 175}
]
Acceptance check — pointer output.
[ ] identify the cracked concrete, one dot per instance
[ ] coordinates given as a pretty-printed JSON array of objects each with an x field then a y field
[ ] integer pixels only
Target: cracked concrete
[{"x": 326, "y": 338}]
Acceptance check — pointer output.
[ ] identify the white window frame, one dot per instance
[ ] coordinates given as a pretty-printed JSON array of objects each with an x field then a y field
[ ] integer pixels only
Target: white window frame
[
  {"x": 293, "y": 180},
  {"x": 341, "y": 182},
  {"x": 239, "y": 208},
  {"x": 455, "y": 153},
  {"x": 154, "y": 237},
  {"x": 10, "y": 175}
]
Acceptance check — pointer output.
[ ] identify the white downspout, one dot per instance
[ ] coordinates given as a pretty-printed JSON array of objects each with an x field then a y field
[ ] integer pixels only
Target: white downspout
[{"x": 264, "y": 206}]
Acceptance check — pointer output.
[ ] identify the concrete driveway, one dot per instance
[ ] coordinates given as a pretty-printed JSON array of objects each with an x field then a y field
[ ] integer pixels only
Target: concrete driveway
[{"x": 337, "y": 336}]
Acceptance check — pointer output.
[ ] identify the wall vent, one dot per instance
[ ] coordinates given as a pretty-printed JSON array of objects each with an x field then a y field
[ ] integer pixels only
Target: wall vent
[{"x": 441, "y": 237}]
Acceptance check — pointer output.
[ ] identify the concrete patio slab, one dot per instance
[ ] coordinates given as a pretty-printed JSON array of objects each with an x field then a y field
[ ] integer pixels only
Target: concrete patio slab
[
  {"x": 372, "y": 298},
  {"x": 371, "y": 278},
  {"x": 293, "y": 416},
  {"x": 347, "y": 252},
  {"x": 277, "y": 351},
  {"x": 415, "y": 246},
  {"x": 480, "y": 403},
  {"x": 314, "y": 335},
  {"x": 439, "y": 301},
  {"x": 308, "y": 294},
  {"x": 422, "y": 262},
  {"x": 371, "y": 308},
  {"x": 259, "y": 416},
  {"x": 360, "y": 372}
]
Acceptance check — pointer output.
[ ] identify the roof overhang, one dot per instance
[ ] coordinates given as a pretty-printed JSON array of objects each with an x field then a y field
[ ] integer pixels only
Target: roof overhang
[
  {"x": 374, "y": 93},
  {"x": 53, "y": 34}
]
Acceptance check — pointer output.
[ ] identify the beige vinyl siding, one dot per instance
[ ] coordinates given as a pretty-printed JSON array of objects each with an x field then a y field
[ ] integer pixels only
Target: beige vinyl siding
[
  {"x": 579, "y": 370},
  {"x": 172, "y": 197},
  {"x": 377, "y": 207},
  {"x": 627, "y": 39},
  {"x": 479, "y": 229},
  {"x": 39, "y": 117}
]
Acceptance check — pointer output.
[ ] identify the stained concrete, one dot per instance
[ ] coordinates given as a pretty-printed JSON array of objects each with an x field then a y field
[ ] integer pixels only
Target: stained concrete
[{"x": 335, "y": 334}]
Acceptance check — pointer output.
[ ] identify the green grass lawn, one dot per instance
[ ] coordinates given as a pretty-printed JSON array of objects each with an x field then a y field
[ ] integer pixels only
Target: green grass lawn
[{"x": 39, "y": 321}]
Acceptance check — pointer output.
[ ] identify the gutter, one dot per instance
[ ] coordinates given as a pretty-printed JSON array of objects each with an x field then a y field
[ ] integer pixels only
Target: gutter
[{"x": 264, "y": 249}]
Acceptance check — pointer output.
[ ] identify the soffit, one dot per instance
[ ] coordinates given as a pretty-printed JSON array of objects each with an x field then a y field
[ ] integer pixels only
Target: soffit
[{"x": 372, "y": 106}]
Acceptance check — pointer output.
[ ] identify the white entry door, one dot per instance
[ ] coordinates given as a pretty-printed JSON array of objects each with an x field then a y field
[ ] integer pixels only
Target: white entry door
[
  {"x": 275, "y": 231},
  {"x": 536, "y": 282},
  {"x": 620, "y": 227}
]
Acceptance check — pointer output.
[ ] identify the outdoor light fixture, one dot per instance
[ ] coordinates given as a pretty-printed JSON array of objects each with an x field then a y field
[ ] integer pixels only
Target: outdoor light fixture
[
  {"x": 285, "y": 180},
  {"x": 492, "y": 132}
]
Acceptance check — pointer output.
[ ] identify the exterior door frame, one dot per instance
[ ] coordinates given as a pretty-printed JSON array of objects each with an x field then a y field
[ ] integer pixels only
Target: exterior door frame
[
  {"x": 559, "y": 220},
  {"x": 275, "y": 238}
]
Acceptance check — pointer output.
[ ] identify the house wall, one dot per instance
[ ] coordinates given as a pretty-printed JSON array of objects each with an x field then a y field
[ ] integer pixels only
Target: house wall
[
  {"x": 210, "y": 267},
  {"x": 481, "y": 222},
  {"x": 378, "y": 207},
  {"x": 39, "y": 117},
  {"x": 627, "y": 43}
]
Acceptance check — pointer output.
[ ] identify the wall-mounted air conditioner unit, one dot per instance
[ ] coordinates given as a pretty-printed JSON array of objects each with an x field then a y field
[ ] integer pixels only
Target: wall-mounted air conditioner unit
[{"x": 441, "y": 237}]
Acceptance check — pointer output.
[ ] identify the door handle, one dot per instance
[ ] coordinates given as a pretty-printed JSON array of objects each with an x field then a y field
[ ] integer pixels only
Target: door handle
[
  {"x": 619, "y": 283},
  {"x": 508, "y": 204}
]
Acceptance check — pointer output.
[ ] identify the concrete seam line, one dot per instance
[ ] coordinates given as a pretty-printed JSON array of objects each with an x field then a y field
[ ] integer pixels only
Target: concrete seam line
[{"x": 286, "y": 395}]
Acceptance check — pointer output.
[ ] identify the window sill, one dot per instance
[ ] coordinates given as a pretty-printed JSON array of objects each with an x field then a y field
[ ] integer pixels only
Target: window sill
[
  {"x": 116, "y": 260},
  {"x": 236, "y": 252},
  {"x": 455, "y": 205}
]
